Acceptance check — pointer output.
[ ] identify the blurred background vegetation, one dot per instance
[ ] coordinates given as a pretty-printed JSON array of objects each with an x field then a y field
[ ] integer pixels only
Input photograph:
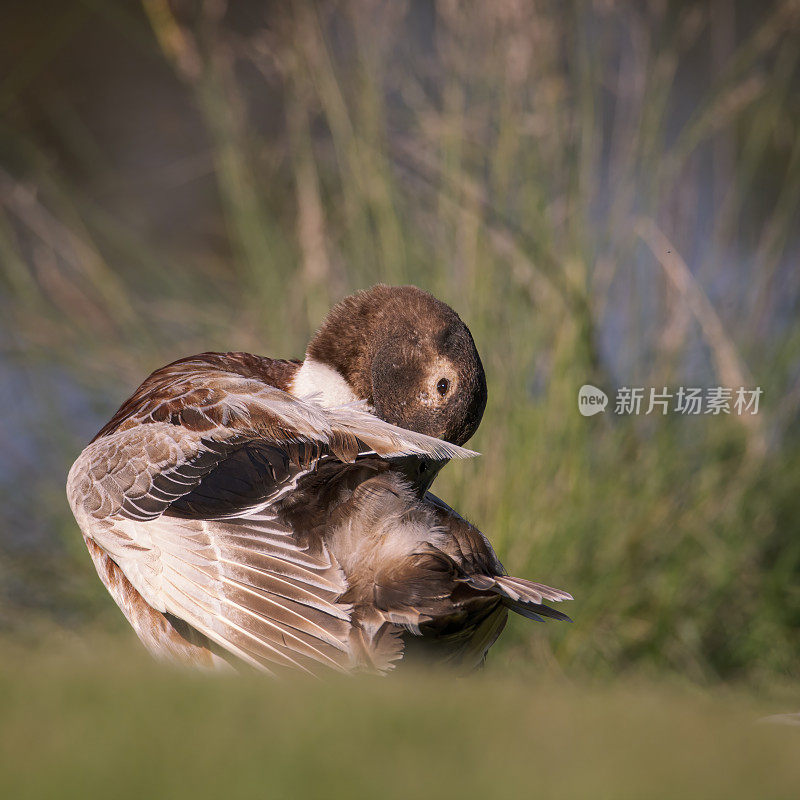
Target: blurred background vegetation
[{"x": 606, "y": 191}]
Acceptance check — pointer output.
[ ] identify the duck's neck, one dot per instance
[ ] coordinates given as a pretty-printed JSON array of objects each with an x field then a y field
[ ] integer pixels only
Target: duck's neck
[{"x": 315, "y": 378}]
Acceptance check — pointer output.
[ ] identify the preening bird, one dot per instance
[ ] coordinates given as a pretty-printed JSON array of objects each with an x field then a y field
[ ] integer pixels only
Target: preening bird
[{"x": 247, "y": 509}]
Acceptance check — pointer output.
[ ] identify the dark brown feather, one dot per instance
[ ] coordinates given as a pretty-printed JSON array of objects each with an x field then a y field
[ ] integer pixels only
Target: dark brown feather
[
  {"x": 191, "y": 391},
  {"x": 386, "y": 340}
]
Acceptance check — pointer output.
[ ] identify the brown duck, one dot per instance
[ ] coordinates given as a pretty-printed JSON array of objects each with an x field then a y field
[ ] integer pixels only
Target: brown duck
[{"x": 246, "y": 509}]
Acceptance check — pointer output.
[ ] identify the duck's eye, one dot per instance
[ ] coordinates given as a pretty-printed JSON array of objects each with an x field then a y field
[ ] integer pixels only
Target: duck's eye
[
  {"x": 423, "y": 465},
  {"x": 443, "y": 386}
]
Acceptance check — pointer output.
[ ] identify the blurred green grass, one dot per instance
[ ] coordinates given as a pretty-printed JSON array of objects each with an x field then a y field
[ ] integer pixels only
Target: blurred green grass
[
  {"x": 606, "y": 195},
  {"x": 93, "y": 718}
]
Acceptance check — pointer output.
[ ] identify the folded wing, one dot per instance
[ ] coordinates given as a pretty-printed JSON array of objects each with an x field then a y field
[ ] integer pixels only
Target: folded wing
[{"x": 178, "y": 491}]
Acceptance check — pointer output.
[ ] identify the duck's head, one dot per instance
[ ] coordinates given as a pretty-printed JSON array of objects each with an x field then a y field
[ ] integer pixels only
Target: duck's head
[{"x": 405, "y": 353}]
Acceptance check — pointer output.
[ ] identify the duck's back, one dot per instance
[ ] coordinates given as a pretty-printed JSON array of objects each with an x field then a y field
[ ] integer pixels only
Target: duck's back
[{"x": 184, "y": 390}]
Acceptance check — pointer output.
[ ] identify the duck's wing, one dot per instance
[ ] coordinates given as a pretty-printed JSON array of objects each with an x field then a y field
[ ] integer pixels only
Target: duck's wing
[{"x": 179, "y": 491}]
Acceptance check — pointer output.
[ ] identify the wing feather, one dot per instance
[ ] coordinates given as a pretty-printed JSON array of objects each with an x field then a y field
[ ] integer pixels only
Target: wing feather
[{"x": 177, "y": 490}]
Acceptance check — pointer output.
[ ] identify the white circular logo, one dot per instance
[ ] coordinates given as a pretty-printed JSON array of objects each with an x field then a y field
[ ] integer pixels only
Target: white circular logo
[{"x": 591, "y": 400}]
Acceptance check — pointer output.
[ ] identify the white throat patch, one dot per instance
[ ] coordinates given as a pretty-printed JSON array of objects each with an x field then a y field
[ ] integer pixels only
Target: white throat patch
[{"x": 316, "y": 378}]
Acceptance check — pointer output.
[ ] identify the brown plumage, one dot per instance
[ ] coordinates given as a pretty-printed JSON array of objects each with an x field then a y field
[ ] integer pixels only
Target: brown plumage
[
  {"x": 388, "y": 341},
  {"x": 245, "y": 509}
]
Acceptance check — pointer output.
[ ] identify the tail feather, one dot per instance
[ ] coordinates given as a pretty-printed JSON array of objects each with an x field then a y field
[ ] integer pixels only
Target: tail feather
[
  {"x": 528, "y": 591},
  {"x": 521, "y": 596},
  {"x": 536, "y": 611}
]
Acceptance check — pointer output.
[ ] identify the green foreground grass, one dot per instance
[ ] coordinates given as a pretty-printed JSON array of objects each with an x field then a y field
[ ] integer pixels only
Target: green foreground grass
[{"x": 100, "y": 718}]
